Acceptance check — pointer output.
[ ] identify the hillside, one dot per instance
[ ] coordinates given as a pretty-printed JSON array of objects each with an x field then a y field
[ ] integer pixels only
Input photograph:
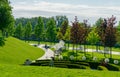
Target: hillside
[{"x": 16, "y": 52}]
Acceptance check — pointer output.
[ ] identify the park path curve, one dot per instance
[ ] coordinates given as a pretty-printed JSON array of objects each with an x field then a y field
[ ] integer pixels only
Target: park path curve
[{"x": 48, "y": 52}]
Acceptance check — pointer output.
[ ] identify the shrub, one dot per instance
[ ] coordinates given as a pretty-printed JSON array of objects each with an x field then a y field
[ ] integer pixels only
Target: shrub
[
  {"x": 65, "y": 58},
  {"x": 102, "y": 68},
  {"x": 113, "y": 67},
  {"x": 93, "y": 64},
  {"x": 77, "y": 66},
  {"x": 82, "y": 63}
]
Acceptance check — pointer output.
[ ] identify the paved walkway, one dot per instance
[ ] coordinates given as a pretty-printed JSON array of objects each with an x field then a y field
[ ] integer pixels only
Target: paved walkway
[
  {"x": 100, "y": 51},
  {"x": 48, "y": 52}
]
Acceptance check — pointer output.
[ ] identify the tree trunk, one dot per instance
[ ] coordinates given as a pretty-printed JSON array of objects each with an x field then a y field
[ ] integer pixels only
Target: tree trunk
[
  {"x": 84, "y": 49},
  {"x": 68, "y": 45},
  {"x": 38, "y": 41},
  {"x": 104, "y": 52},
  {"x": 73, "y": 48},
  {"x": 76, "y": 51},
  {"x": 110, "y": 52},
  {"x": 92, "y": 51}
]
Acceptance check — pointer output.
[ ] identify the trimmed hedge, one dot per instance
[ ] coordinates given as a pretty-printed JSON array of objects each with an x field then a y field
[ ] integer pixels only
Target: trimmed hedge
[
  {"x": 113, "y": 67},
  {"x": 102, "y": 68},
  {"x": 78, "y": 66},
  {"x": 93, "y": 64},
  {"x": 82, "y": 63}
]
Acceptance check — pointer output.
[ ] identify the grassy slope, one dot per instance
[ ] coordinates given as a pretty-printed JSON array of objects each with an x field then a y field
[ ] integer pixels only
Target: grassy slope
[
  {"x": 38, "y": 71},
  {"x": 16, "y": 51}
]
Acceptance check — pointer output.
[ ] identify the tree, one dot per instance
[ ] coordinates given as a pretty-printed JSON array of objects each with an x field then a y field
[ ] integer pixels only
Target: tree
[
  {"x": 59, "y": 35},
  {"x": 28, "y": 30},
  {"x": 39, "y": 29},
  {"x": 110, "y": 38},
  {"x": 67, "y": 36},
  {"x": 118, "y": 33},
  {"x": 51, "y": 30},
  {"x": 109, "y": 33},
  {"x": 64, "y": 27},
  {"x": 93, "y": 38},
  {"x": 19, "y": 31},
  {"x": 60, "y": 20},
  {"x": 10, "y": 30},
  {"x": 6, "y": 17},
  {"x": 74, "y": 33}
]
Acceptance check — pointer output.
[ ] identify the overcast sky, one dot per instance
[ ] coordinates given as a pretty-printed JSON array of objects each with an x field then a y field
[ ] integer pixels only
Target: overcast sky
[{"x": 84, "y": 9}]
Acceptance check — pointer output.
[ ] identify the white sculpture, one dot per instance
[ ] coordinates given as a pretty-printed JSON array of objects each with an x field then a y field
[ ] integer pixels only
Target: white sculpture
[
  {"x": 71, "y": 57},
  {"x": 116, "y": 61},
  {"x": 58, "y": 46},
  {"x": 107, "y": 60}
]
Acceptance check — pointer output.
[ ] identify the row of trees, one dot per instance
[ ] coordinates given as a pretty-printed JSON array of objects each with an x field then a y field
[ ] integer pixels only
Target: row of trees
[{"x": 103, "y": 32}]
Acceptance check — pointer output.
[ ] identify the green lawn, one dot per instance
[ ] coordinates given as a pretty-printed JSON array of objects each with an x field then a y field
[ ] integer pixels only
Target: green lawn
[
  {"x": 16, "y": 51},
  {"x": 38, "y": 71}
]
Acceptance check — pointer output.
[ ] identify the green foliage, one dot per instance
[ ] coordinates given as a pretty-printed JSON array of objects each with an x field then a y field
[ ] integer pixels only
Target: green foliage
[
  {"x": 102, "y": 68},
  {"x": 19, "y": 31},
  {"x": 93, "y": 37},
  {"x": 28, "y": 30},
  {"x": 118, "y": 33},
  {"x": 113, "y": 67},
  {"x": 64, "y": 27},
  {"x": 67, "y": 34},
  {"x": 51, "y": 30},
  {"x": 59, "y": 35},
  {"x": 16, "y": 52},
  {"x": 6, "y": 17},
  {"x": 10, "y": 30},
  {"x": 77, "y": 66},
  {"x": 93, "y": 64},
  {"x": 39, "y": 28}
]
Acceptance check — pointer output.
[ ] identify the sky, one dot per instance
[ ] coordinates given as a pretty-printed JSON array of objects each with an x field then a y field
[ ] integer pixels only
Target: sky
[{"x": 83, "y": 9}]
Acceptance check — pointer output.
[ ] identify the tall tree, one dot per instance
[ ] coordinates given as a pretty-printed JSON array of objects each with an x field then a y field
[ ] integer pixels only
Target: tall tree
[
  {"x": 74, "y": 33},
  {"x": 10, "y": 30},
  {"x": 109, "y": 33},
  {"x": 39, "y": 29},
  {"x": 93, "y": 37},
  {"x": 64, "y": 27},
  {"x": 51, "y": 30},
  {"x": 67, "y": 36},
  {"x": 28, "y": 31},
  {"x": 19, "y": 31},
  {"x": 6, "y": 17},
  {"x": 118, "y": 33}
]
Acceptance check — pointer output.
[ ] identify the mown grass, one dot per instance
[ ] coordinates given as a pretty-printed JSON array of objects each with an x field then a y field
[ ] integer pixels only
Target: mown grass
[
  {"x": 38, "y": 71},
  {"x": 16, "y": 52},
  {"x": 88, "y": 54}
]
